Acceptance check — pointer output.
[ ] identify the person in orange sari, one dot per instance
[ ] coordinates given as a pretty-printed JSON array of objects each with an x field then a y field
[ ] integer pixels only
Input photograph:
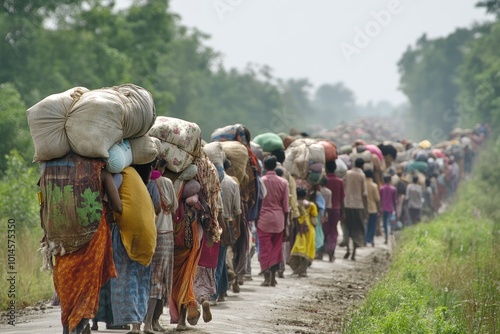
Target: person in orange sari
[
  {"x": 187, "y": 250},
  {"x": 78, "y": 278},
  {"x": 78, "y": 272}
]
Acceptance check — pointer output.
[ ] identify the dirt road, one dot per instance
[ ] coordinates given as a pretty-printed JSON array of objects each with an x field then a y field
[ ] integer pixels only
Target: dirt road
[{"x": 315, "y": 304}]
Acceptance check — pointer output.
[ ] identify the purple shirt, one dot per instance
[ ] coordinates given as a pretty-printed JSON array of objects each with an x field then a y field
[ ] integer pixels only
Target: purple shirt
[
  {"x": 275, "y": 204},
  {"x": 388, "y": 194}
]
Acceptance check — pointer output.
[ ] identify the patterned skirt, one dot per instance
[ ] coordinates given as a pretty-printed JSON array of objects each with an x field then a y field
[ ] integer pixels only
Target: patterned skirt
[
  {"x": 204, "y": 283},
  {"x": 162, "y": 266}
]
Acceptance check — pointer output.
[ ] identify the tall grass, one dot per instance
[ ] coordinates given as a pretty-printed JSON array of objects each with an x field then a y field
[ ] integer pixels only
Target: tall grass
[
  {"x": 31, "y": 285},
  {"x": 445, "y": 277},
  {"x": 18, "y": 202}
]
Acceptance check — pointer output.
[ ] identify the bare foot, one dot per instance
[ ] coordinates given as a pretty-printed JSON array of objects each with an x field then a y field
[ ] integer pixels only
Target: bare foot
[
  {"x": 157, "y": 327},
  {"x": 193, "y": 315},
  {"x": 207, "y": 315},
  {"x": 136, "y": 329},
  {"x": 181, "y": 327},
  {"x": 236, "y": 287},
  {"x": 148, "y": 329}
]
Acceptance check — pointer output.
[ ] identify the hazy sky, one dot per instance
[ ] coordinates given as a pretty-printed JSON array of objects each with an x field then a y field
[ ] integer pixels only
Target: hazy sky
[{"x": 358, "y": 42}]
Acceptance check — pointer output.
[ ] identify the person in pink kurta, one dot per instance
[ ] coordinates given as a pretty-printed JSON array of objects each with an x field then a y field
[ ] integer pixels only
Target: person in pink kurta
[
  {"x": 336, "y": 213},
  {"x": 388, "y": 200},
  {"x": 272, "y": 221}
]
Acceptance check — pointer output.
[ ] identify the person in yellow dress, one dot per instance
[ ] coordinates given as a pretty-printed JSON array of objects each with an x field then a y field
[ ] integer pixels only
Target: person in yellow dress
[{"x": 304, "y": 247}]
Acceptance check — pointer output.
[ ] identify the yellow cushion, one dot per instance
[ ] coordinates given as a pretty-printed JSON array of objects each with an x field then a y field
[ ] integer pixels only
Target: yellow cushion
[{"x": 137, "y": 221}]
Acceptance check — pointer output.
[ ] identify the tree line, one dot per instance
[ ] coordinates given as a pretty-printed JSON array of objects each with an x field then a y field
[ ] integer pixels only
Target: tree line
[
  {"x": 52, "y": 45},
  {"x": 453, "y": 81}
]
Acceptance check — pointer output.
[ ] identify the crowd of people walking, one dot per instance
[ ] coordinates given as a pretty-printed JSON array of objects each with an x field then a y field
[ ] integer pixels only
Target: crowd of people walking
[{"x": 180, "y": 238}]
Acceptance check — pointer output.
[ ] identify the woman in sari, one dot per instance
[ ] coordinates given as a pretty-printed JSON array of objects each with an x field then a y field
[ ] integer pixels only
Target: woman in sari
[
  {"x": 187, "y": 250},
  {"x": 304, "y": 247},
  {"x": 78, "y": 272},
  {"x": 134, "y": 242}
]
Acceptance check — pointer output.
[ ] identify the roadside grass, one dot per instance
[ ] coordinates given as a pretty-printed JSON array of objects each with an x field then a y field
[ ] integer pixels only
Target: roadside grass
[
  {"x": 445, "y": 275},
  {"x": 31, "y": 284},
  {"x": 18, "y": 202}
]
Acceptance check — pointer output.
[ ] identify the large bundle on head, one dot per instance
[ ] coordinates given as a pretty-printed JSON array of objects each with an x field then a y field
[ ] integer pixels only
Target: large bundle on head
[
  {"x": 397, "y": 145},
  {"x": 89, "y": 122},
  {"x": 442, "y": 145},
  {"x": 342, "y": 167},
  {"x": 346, "y": 149},
  {"x": 215, "y": 153},
  {"x": 180, "y": 142},
  {"x": 236, "y": 132},
  {"x": 375, "y": 150},
  {"x": 257, "y": 150},
  {"x": 237, "y": 153},
  {"x": 269, "y": 142},
  {"x": 286, "y": 139},
  {"x": 47, "y": 120},
  {"x": 408, "y": 177},
  {"x": 330, "y": 150},
  {"x": 389, "y": 152},
  {"x": 140, "y": 113},
  {"x": 413, "y": 165},
  {"x": 425, "y": 144},
  {"x": 302, "y": 153},
  {"x": 361, "y": 152},
  {"x": 314, "y": 175},
  {"x": 144, "y": 149},
  {"x": 420, "y": 155}
]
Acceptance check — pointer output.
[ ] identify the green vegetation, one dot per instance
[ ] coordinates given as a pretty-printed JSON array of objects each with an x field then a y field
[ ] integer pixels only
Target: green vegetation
[
  {"x": 444, "y": 278},
  {"x": 18, "y": 201},
  {"x": 51, "y": 46},
  {"x": 445, "y": 274},
  {"x": 428, "y": 78}
]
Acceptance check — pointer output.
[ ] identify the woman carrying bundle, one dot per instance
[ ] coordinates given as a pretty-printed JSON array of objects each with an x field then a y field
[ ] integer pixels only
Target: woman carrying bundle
[{"x": 77, "y": 195}]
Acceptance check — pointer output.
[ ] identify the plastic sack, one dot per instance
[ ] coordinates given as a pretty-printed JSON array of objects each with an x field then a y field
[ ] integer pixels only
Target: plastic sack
[{"x": 120, "y": 156}]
